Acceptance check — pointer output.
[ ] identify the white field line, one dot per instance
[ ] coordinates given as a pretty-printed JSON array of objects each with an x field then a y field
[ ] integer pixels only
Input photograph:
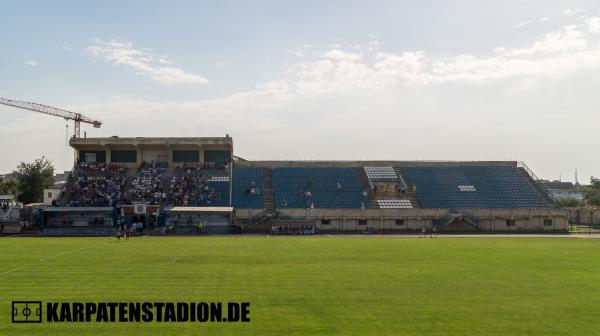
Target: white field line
[
  {"x": 172, "y": 261},
  {"x": 47, "y": 258}
]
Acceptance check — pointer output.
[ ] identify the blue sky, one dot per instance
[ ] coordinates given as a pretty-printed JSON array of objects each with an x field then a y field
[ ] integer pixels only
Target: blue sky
[{"x": 312, "y": 79}]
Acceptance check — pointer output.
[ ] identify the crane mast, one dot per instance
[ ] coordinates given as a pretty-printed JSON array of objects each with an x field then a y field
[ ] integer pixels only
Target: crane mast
[{"x": 78, "y": 118}]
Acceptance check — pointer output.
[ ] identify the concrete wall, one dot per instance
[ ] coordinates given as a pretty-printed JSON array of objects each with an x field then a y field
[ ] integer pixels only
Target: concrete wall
[
  {"x": 393, "y": 220},
  {"x": 584, "y": 216}
]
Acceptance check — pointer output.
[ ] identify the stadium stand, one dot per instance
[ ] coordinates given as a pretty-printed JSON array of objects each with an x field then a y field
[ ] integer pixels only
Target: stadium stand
[
  {"x": 353, "y": 196},
  {"x": 248, "y": 190},
  {"x": 97, "y": 185},
  {"x": 317, "y": 188},
  {"x": 477, "y": 186},
  {"x": 194, "y": 187}
]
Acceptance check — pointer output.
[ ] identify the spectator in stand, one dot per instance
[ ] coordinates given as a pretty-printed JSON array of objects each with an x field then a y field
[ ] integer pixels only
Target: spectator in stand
[
  {"x": 97, "y": 184},
  {"x": 148, "y": 186},
  {"x": 191, "y": 188}
]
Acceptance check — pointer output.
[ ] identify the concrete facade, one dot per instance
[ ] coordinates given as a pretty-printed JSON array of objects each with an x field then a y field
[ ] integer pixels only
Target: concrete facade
[
  {"x": 150, "y": 149},
  {"x": 397, "y": 220}
]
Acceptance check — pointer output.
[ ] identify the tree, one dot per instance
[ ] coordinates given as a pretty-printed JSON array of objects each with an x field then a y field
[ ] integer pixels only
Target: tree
[
  {"x": 33, "y": 178},
  {"x": 570, "y": 202},
  {"x": 8, "y": 187},
  {"x": 592, "y": 192}
]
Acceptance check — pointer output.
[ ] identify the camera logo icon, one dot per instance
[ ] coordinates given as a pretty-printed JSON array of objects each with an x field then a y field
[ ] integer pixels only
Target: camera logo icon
[{"x": 27, "y": 311}]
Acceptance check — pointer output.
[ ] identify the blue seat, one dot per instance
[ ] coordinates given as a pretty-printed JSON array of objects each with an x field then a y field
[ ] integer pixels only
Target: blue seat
[
  {"x": 496, "y": 187},
  {"x": 290, "y": 183},
  {"x": 242, "y": 179}
]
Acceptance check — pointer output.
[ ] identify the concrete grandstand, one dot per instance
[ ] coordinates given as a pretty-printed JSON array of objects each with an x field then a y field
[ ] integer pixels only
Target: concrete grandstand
[{"x": 177, "y": 182}]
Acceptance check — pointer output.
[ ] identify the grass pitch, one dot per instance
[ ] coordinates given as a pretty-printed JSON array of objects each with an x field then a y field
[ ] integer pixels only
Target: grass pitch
[{"x": 316, "y": 285}]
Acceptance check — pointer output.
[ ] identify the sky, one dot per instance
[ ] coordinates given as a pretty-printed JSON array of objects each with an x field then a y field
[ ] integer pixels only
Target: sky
[{"x": 329, "y": 80}]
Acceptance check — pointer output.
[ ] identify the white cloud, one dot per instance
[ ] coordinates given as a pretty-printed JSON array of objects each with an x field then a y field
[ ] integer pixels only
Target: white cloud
[
  {"x": 544, "y": 19},
  {"x": 31, "y": 63},
  {"x": 67, "y": 48},
  {"x": 339, "y": 55},
  {"x": 594, "y": 25},
  {"x": 366, "y": 98},
  {"x": 558, "y": 53},
  {"x": 297, "y": 53},
  {"x": 522, "y": 24},
  {"x": 570, "y": 12},
  {"x": 563, "y": 52},
  {"x": 569, "y": 38},
  {"x": 142, "y": 62}
]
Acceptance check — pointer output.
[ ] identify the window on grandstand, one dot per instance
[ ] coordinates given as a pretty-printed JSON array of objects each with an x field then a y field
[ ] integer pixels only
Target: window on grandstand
[
  {"x": 325, "y": 221},
  {"x": 362, "y": 222},
  {"x": 547, "y": 222},
  {"x": 399, "y": 221},
  {"x": 511, "y": 222}
]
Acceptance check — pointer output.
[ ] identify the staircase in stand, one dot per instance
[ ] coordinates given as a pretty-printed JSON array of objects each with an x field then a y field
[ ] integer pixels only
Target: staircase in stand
[
  {"x": 267, "y": 175},
  {"x": 408, "y": 194},
  {"x": 364, "y": 180},
  {"x": 269, "y": 211}
]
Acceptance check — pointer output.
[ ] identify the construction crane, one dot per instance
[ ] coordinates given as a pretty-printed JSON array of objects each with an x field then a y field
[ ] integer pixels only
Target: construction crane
[{"x": 67, "y": 115}]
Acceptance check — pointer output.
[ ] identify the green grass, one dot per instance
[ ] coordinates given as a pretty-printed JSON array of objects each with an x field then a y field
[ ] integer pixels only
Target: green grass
[{"x": 316, "y": 285}]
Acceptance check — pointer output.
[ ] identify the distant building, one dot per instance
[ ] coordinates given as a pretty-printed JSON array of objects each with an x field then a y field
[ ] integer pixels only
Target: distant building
[
  {"x": 60, "y": 178},
  {"x": 8, "y": 176},
  {"x": 51, "y": 195},
  {"x": 558, "y": 190}
]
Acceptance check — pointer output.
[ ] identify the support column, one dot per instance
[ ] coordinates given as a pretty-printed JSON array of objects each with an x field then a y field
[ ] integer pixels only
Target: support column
[
  {"x": 108, "y": 155},
  {"x": 138, "y": 151},
  {"x": 170, "y": 156},
  {"x": 201, "y": 154}
]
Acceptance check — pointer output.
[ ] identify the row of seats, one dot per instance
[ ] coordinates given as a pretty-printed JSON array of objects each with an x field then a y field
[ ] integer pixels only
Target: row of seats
[
  {"x": 244, "y": 197},
  {"x": 394, "y": 204},
  {"x": 317, "y": 188},
  {"x": 458, "y": 187},
  {"x": 380, "y": 173}
]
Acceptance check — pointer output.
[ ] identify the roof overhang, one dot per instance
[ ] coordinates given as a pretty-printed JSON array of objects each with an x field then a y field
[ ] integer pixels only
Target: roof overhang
[
  {"x": 200, "y": 209},
  {"x": 78, "y": 209}
]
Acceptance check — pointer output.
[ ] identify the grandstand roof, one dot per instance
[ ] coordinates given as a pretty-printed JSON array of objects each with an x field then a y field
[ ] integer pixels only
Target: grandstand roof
[
  {"x": 363, "y": 163},
  {"x": 115, "y": 140}
]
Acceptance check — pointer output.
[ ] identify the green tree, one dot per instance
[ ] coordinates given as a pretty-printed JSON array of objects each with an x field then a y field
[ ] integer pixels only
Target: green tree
[
  {"x": 570, "y": 202},
  {"x": 32, "y": 179},
  {"x": 8, "y": 187},
  {"x": 592, "y": 192}
]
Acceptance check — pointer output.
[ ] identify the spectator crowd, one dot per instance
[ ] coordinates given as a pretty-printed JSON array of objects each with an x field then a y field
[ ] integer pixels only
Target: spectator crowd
[
  {"x": 148, "y": 186},
  {"x": 191, "y": 188},
  {"x": 98, "y": 185}
]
